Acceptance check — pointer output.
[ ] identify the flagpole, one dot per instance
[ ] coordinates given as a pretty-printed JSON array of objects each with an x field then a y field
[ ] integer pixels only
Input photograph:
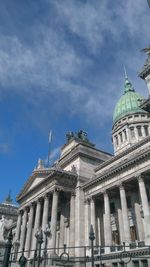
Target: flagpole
[{"x": 49, "y": 147}]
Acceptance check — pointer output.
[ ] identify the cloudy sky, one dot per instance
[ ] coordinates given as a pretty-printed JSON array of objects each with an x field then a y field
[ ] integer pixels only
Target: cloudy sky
[{"x": 61, "y": 68}]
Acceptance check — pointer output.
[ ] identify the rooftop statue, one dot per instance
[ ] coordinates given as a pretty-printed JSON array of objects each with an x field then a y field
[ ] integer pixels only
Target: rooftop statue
[{"x": 82, "y": 135}]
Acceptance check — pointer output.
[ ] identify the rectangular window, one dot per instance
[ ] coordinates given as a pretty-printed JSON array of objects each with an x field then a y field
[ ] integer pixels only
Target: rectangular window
[
  {"x": 146, "y": 130},
  {"x": 120, "y": 134},
  {"x": 139, "y": 130},
  {"x": 125, "y": 134},
  {"x": 136, "y": 264},
  {"x": 128, "y": 202},
  {"x": 144, "y": 263},
  {"x": 112, "y": 207},
  {"x": 116, "y": 140}
]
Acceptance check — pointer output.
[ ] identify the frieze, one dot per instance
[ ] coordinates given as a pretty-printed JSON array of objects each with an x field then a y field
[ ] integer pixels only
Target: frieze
[{"x": 120, "y": 167}]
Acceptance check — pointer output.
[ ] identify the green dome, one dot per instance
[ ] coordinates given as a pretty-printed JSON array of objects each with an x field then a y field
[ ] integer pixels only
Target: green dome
[{"x": 129, "y": 102}]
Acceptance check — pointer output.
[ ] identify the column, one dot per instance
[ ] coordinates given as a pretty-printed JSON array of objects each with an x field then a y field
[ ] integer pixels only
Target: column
[
  {"x": 145, "y": 206},
  {"x": 18, "y": 228},
  {"x": 72, "y": 225},
  {"x": 87, "y": 221},
  {"x": 124, "y": 208},
  {"x": 107, "y": 221},
  {"x": 23, "y": 231},
  {"x": 45, "y": 217},
  {"x": 121, "y": 228},
  {"x": 36, "y": 225},
  {"x": 29, "y": 230},
  {"x": 92, "y": 204},
  {"x": 54, "y": 221},
  {"x": 62, "y": 226},
  {"x": 139, "y": 222},
  {"x": 45, "y": 211},
  {"x": 18, "y": 231}
]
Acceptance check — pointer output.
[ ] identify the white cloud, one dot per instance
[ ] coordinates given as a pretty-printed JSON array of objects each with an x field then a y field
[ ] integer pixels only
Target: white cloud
[{"x": 54, "y": 64}]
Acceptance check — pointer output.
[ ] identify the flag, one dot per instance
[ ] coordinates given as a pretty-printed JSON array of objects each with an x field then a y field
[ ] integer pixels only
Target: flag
[{"x": 50, "y": 137}]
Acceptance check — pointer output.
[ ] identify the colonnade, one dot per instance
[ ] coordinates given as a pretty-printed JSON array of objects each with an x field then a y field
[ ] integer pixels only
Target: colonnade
[
  {"x": 35, "y": 216},
  {"x": 142, "y": 222}
]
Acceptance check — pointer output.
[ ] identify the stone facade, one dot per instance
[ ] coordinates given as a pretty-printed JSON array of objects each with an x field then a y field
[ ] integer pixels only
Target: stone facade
[{"x": 89, "y": 186}]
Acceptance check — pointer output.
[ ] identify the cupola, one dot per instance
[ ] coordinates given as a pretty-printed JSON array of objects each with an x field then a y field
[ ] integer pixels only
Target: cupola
[{"x": 130, "y": 121}]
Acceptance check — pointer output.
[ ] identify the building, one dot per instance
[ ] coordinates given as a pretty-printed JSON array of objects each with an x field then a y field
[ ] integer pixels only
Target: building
[
  {"x": 8, "y": 219},
  {"x": 89, "y": 186}
]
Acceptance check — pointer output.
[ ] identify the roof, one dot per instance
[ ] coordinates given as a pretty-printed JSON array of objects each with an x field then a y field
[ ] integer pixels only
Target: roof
[{"x": 128, "y": 103}]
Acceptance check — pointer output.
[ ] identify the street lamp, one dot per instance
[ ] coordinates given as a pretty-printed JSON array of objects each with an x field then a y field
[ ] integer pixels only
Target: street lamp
[
  {"x": 92, "y": 237},
  {"x": 39, "y": 237},
  {"x": 47, "y": 233},
  {"x": 148, "y": 1}
]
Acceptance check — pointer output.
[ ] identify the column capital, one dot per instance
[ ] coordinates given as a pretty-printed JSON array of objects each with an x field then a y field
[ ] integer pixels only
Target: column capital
[
  {"x": 73, "y": 194},
  {"x": 105, "y": 192},
  {"x": 121, "y": 185},
  {"x": 27, "y": 208},
  {"x": 47, "y": 195},
  {"x": 39, "y": 200},
  {"x": 87, "y": 200},
  {"x": 20, "y": 212},
  {"x": 140, "y": 177}
]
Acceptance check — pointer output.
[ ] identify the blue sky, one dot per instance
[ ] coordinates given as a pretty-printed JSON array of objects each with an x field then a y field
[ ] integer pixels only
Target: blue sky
[{"x": 61, "y": 68}]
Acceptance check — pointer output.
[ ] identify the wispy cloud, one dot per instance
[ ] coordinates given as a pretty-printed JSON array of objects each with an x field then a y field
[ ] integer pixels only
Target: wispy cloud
[
  {"x": 4, "y": 148},
  {"x": 65, "y": 55}
]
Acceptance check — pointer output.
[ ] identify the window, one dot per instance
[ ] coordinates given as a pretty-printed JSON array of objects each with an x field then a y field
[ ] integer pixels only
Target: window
[
  {"x": 146, "y": 130},
  {"x": 128, "y": 202},
  {"x": 115, "y": 237},
  {"x": 120, "y": 134},
  {"x": 139, "y": 131},
  {"x": 133, "y": 233},
  {"x": 125, "y": 134},
  {"x": 132, "y": 132},
  {"x": 136, "y": 264},
  {"x": 112, "y": 207},
  {"x": 116, "y": 140},
  {"x": 144, "y": 263}
]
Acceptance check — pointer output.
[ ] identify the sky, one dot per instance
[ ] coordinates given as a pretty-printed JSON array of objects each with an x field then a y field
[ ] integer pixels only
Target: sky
[{"x": 62, "y": 69}]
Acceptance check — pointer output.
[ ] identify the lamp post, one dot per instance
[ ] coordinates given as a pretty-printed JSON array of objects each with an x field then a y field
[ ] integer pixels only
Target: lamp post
[
  {"x": 39, "y": 237},
  {"x": 148, "y": 1},
  {"x": 47, "y": 233},
  {"x": 92, "y": 237}
]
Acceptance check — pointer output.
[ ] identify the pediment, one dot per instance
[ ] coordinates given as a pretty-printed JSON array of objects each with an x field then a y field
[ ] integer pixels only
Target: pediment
[{"x": 36, "y": 181}]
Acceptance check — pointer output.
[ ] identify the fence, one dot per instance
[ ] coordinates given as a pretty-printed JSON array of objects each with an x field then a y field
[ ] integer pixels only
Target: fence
[{"x": 98, "y": 256}]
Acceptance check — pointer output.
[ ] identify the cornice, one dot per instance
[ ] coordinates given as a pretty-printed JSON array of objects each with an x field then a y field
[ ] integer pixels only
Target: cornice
[
  {"x": 119, "y": 167},
  {"x": 123, "y": 153},
  {"x": 53, "y": 173}
]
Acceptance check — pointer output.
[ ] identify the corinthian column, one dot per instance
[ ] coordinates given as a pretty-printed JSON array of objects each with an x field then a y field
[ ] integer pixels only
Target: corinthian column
[
  {"x": 18, "y": 228},
  {"x": 37, "y": 224},
  {"x": 29, "y": 230},
  {"x": 72, "y": 225},
  {"x": 23, "y": 230},
  {"x": 145, "y": 207},
  {"x": 107, "y": 221},
  {"x": 45, "y": 217},
  {"x": 87, "y": 221},
  {"x": 54, "y": 221},
  {"x": 62, "y": 226},
  {"x": 126, "y": 224}
]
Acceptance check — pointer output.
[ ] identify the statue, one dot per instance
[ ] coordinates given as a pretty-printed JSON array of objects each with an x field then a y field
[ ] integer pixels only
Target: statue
[
  {"x": 5, "y": 225},
  {"x": 69, "y": 135},
  {"x": 82, "y": 135},
  {"x": 2, "y": 226}
]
